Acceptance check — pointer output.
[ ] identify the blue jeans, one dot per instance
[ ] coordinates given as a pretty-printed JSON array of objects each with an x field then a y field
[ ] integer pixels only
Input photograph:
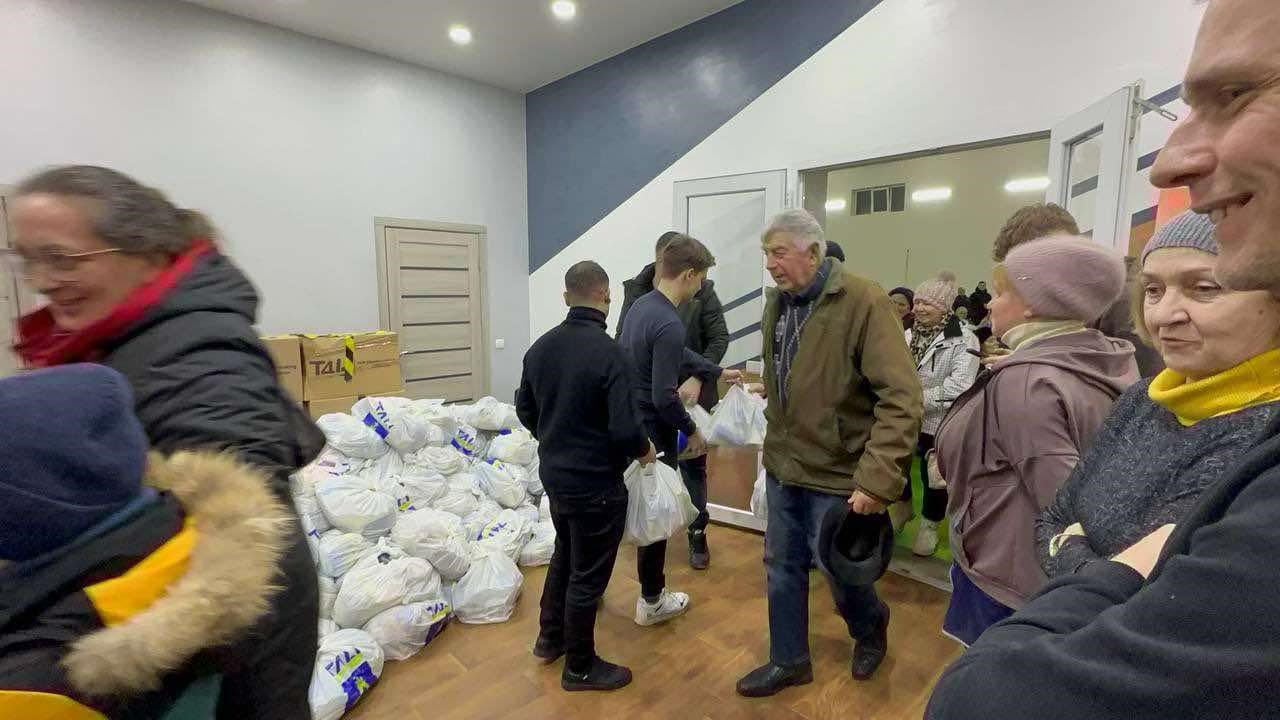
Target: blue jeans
[
  {"x": 790, "y": 549},
  {"x": 971, "y": 611}
]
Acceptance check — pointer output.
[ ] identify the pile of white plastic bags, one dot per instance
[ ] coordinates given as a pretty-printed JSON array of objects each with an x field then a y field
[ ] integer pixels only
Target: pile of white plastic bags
[{"x": 417, "y": 513}]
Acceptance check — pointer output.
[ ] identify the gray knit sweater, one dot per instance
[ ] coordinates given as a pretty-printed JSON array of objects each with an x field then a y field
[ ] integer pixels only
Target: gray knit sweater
[{"x": 1144, "y": 469}]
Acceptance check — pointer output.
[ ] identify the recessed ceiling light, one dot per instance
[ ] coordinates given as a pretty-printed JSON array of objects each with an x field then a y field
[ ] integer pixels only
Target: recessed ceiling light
[
  {"x": 564, "y": 9},
  {"x": 931, "y": 195},
  {"x": 1031, "y": 184},
  {"x": 836, "y": 205},
  {"x": 460, "y": 34}
]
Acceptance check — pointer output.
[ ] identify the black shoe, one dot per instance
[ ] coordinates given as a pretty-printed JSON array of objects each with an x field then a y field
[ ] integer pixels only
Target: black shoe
[
  {"x": 699, "y": 553},
  {"x": 547, "y": 651},
  {"x": 772, "y": 679},
  {"x": 603, "y": 676},
  {"x": 869, "y": 652}
]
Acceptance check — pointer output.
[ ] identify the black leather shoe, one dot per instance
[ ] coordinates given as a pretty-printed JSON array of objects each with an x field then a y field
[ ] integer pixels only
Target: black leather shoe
[
  {"x": 869, "y": 652},
  {"x": 547, "y": 651},
  {"x": 772, "y": 679},
  {"x": 602, "y": 676},
  {"x": 699, "y": 553}
]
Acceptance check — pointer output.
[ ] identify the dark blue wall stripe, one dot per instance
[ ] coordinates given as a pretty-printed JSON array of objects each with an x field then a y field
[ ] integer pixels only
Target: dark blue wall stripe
[
  {"x": 1148, "y": 160},
  {"x": 1161, "y": 98},
  {"x": 744, "y": 332},
  {"x": 1143, "y": 217},
  {"x": 598, "y": 136},
  {"x": 1165, "y": 97},
  {"x": 744, "y": 299}
]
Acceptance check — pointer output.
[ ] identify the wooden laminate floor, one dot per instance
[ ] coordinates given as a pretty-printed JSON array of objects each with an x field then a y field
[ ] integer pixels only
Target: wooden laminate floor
[{"x": 685, "y": 669}]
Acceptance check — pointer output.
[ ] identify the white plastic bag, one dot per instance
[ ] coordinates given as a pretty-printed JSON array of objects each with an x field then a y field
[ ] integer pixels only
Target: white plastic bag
[
  {"x": 489, "y": 591},
  {"x": 533, "y": 479},
  {"x": 760, "y": 496},
  {"x": 438, "y": 414},
  {"x": 353, "y": 505},
  {"x": 330, "y": 463},
  {"x": 507, "y": 533},
  {"x": 348, "y": 665},
  {"x": 528, "y": 512},
  {"x": 310, "y": 513},
  {"x": 328, "y": 593},
  {"x": 486, "y": 511},
  {"x": 541, "y": 546},
  {"x": 461, "y": 497},
  {"x": 444, "y": 460},
  {"x": 468, "y": 441},
  {"x": 658, "y": 504},
  {"x": 351, "y": 437},
  {"x": 489, "y": 414},
  {"x": 325, "y": 626},
  {"x": 733, "y": 423},
  {"x": 544, "y": 508},
  {"x": 420, "y": 486},
  {"x": 340, "y": 551},
  {"x": 383, "y": 579},
  {"x": 501, "y": 482},
  {"x": 437, "y": 537},
  {"x": 516, "y": 447},
  {"x": 404, "y": 630}
]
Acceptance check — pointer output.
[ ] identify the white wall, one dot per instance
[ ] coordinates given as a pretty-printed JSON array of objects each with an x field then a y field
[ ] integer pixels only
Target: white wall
[
  {"x": 911, "y": 75},
  {"x": 292, "y": 145}
]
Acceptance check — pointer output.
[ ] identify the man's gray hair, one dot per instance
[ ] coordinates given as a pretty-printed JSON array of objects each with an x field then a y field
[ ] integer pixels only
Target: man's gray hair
[{"x": 803, "y": 228}]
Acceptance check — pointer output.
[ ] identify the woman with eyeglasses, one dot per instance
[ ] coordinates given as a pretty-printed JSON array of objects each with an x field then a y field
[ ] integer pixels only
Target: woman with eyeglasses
[{"x": 139, "y": 285}]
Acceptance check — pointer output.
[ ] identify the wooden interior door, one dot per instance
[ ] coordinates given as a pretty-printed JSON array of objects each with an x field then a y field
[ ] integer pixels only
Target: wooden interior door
[
  {"x": 8, "y": 301},
  {"x": 432, "y": 282}
]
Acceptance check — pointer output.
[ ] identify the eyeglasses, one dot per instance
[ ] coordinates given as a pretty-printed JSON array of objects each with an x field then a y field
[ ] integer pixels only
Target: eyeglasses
[{"x": 57, "y": 262}]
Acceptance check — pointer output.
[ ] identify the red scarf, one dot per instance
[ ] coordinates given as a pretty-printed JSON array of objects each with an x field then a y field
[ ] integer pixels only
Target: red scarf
[{"x": 41, "y": 343}]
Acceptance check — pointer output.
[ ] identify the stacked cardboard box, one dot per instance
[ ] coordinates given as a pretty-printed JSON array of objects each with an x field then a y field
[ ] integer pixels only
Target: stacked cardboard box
[{"x": 328, "y": 373}]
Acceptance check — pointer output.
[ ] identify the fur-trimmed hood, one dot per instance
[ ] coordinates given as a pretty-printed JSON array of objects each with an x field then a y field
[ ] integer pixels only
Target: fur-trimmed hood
[{"x": 240, "y": 532}]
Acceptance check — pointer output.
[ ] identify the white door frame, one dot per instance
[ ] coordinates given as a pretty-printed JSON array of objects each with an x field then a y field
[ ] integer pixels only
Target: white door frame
[
  {"x": 389, "y": 311},
  {"x": 1116, "y": 116}
]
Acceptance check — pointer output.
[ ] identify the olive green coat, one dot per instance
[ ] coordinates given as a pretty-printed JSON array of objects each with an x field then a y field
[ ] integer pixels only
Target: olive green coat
[{"x": 850, "y": 418}]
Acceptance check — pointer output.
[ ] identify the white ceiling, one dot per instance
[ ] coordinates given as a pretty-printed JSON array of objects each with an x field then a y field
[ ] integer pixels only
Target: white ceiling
[{"x": 518, "y": 44}]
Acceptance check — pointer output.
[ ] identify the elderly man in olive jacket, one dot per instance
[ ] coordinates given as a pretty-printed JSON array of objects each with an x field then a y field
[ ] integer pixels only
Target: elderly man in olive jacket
[{"x": 844, "y": 414}]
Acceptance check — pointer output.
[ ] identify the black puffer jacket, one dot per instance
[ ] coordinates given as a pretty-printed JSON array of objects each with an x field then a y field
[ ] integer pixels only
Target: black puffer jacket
[
  {"x": 705, "y": 331},
  {"x": 202, "y": 380}
]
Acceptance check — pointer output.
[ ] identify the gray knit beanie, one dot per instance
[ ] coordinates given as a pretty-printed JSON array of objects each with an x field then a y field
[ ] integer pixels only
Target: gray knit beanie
[
  {"x": 1188, "y": 230},
  {"x": 938, "y": 292},
  {"x": 1066, "y": 277}
]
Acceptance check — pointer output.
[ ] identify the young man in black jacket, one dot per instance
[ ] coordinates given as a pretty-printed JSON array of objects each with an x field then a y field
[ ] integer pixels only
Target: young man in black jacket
[
  {"x": 1186, "y": 623},
  {"x": 654, "y": 341},
  {"x": 575, "y": 397},
  {"x": 707, "y": 335}
]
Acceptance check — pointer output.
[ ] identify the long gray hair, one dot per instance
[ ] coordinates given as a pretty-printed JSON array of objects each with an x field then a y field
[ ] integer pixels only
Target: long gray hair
[{"x": 125, "y": 213}]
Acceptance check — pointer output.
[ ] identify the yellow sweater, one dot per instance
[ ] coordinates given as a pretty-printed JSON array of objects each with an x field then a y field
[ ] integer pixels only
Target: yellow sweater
[{"x": 1252, "y": 382}]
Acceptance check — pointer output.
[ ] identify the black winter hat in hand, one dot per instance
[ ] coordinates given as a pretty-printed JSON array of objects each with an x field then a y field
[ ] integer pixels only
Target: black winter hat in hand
[
  {"x": 854, "y": 548},
  {"x": 72, "y": 454}
]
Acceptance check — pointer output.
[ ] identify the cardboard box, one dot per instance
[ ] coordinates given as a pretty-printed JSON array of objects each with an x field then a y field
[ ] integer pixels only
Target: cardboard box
[
  {"x": 286, "y": 352},
  {"x": 366, "y": 363},
  {"x": 328, "y": 367},
  {"x": 378, "y": 364},
  {"x": 318, "y": 408}
]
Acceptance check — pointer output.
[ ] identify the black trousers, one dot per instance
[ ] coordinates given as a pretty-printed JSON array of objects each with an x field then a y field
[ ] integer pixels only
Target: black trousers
[
  {"x": 694, "y": 472},
  {"x": 587, "y": 540},
  {"x": 271, "y": 669},
  {"x": 651, "y": 560},
  {"x": 934, "y": 505}
]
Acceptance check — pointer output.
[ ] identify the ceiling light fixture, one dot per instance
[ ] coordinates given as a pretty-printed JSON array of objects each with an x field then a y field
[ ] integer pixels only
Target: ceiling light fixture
[
  {"x": 836, "y": 205},
  {"x": 931, "y": 195},
  {"x": 460, "y": 34},
  {"x": 1030, "y": 184},
  {"x": 564, "y": 9}
]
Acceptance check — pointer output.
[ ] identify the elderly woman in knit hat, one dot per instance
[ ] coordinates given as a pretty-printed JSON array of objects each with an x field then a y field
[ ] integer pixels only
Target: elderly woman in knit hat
[
  {"x": 946, "y": 356},
  {"x": 1011, "y": 441},
  {"x": 1170, "y": 438}
]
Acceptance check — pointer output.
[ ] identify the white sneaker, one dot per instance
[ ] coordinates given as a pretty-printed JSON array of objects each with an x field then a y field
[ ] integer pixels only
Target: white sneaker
[
  {"x": 926, "y": 543},
  {"x": 669, "y": 605}
]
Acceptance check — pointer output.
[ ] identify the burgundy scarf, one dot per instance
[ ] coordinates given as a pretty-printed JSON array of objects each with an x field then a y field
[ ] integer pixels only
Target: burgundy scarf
[{"x": 41, "y": 343}]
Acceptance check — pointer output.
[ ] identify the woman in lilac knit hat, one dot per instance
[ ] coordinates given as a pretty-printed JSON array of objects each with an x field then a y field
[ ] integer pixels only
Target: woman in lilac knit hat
[{"x": 1009, "y": 443}]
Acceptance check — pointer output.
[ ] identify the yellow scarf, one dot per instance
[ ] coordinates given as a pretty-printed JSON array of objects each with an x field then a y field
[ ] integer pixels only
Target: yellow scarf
[{"x": 1252, "y": 382}]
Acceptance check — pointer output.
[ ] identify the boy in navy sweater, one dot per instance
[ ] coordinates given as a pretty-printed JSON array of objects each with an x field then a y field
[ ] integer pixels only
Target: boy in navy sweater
[
  {"x": 653, "y": 340},
  {"x": 576, "y": 398}
]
